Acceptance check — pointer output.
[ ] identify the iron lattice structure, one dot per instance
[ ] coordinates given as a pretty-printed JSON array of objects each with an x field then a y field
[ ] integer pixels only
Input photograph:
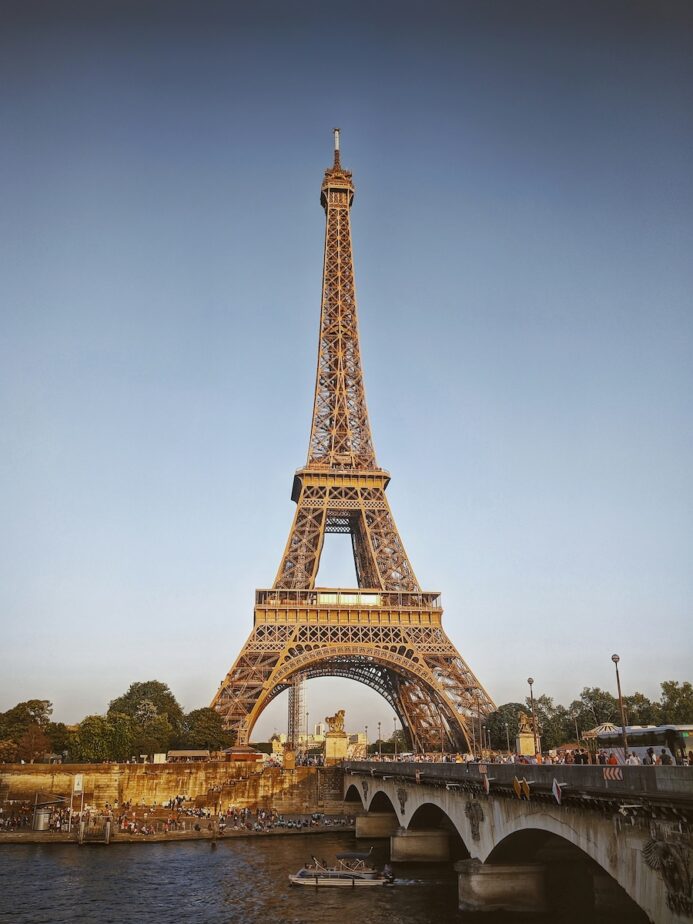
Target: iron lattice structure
[{"x": 387, "y": 633}]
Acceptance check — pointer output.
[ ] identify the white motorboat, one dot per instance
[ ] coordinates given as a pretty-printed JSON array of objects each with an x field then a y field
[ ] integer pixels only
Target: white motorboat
[{"x": 352, "y": 871}]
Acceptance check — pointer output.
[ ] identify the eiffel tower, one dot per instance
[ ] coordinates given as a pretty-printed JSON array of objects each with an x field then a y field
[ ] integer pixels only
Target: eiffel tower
[{"x": 386, "y": 633}]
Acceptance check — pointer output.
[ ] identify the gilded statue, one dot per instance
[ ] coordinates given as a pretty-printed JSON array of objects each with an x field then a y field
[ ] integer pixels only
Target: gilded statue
[{"x": 336, "y": 722}]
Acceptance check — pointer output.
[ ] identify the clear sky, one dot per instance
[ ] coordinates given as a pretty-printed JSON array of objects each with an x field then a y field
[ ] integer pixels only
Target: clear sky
[{"x": 523, "y": 229}]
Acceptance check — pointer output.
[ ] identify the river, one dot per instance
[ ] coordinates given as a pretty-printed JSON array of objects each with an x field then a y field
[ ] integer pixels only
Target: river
[{"x": 242, "y": 880}]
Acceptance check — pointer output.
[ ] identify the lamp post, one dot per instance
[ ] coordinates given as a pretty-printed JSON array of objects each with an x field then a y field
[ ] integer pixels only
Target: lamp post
[
  {"x": 507, "y": 737},
  {"x": 615, "y": 658},
  {"x": 307, "y": 714},
  {"x": 530, "y": 681},
  {"x": 380, "y": 742},
  {"x": 366, "y": 742},
  {"x": 577, "y": 732},
  {"x": 394, "y": 733},
  {"x": 478, "y": 716},
  {"x": 441, "y": 737},
  {"x": 484, "y": 738}
]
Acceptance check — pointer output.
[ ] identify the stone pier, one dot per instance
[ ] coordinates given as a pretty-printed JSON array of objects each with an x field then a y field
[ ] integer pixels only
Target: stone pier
[
  {"x": 420, "y": 846},
  {"x": 501, "y": 887},
  {"x": 376, "y": 824}
]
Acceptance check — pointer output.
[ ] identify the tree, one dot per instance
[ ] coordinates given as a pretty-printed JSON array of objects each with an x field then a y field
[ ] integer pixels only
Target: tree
[
  {"x": 139, "y": 699},
  {"x": 553, "y": 722},
  {"x": 33, "y": 744},
  {"x": 8, "y": 751},
  {"x": 17, "y": 720},
  {"x": 204, "y": 728},
  {"x": 641, "y": 711},
  {"x": 594, "y": 707},
  {"x": 123, "y": 730},
  {"x": 495, "y": 725},
  {"x": 59, "y": 737},
  {"x": 153, "y": 736},
  {"x": 677, "y": 703},
  {"x": 93, "y": 742}
]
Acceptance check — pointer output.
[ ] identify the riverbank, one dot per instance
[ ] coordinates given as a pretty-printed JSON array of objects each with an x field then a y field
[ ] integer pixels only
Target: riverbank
[
  {"x": 53, "y": 837},
  {"x": 211, "y": 785}
]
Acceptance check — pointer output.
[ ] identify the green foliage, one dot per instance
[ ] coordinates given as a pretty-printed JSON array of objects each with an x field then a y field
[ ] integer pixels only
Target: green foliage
[
  {"x": 557, "y": 725},
  {"x": 495, "y": 725},
  {"x": 554, "y": 723},
  {"x": 677, "y": 703},
  {"x": 93, "y": 741},
  {"x": 8, "y": 751},
  {"x": 203, "y": 728},
  {"x": 100, "y": 738},
  {"x": 595, "y": 707},
  {"x": 641, "y": 711},
  {"x": 122, "y": 731},
  {"x": 59, "y": 737},
  {"x": 33, "y": 744},
  {"x": 17, "y": 720},
  {"x": 153, "y": 736},
  {"x": 147, "y": 700}
]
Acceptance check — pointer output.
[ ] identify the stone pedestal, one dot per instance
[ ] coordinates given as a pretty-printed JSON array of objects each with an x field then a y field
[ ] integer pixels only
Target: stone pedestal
[
  {"x": 524, "y": 744},
  {"x": 336, "y": 743},
  {"x": 289, "y": 761},
  {"x": 376, "y": 824},
  {"x": 420, "y": 846},
  {"x": 501, "y": 887}
]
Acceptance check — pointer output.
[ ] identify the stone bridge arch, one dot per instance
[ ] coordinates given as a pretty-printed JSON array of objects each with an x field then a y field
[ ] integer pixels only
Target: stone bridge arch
[
  {"x": 575, "y": 881},
  {"x": 500, "y": 828}
]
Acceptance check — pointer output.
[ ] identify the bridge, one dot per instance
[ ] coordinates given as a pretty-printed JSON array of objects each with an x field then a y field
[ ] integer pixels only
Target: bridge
[{"x": 531, "y": 838}]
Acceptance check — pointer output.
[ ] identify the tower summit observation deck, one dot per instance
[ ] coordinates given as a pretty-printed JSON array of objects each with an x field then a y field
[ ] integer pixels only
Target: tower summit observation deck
[{"x": 387, "y": 632}]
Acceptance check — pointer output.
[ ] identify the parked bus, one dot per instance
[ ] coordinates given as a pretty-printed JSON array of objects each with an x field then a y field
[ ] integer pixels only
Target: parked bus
[{"x": 676, "y": 740}]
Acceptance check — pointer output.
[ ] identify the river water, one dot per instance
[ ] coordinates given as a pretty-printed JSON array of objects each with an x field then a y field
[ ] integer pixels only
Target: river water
[{"x": 242, "y": 880}]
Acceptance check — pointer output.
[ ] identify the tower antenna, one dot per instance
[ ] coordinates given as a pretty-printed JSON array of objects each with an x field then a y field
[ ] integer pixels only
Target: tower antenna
[{"x": 336, "y": 148}]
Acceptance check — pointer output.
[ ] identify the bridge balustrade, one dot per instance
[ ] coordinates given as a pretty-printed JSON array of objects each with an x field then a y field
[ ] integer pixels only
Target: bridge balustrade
[{"x": 657, "y": 784}]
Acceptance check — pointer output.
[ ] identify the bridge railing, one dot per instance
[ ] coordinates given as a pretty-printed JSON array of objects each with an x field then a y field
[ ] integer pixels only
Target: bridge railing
[{"x": 659, "y": 784}]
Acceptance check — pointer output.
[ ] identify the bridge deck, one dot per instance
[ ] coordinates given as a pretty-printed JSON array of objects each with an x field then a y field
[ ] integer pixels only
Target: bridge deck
[{"x": 670, "y": 785}]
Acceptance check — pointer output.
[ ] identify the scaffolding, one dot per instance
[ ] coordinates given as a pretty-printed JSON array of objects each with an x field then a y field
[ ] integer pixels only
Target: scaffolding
[{"x": 297, "y": 692}]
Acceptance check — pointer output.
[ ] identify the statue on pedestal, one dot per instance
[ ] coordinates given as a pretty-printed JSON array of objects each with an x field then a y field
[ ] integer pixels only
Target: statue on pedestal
[
  {"x": 525, "y": 741},
  {"x": 336, "y": 739}
]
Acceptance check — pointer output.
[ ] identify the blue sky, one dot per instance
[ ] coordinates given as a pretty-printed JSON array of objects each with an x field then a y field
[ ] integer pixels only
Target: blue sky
[{"x": 523, "y": 229}]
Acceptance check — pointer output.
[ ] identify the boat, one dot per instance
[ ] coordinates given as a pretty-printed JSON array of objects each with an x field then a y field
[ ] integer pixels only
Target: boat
[{"x": 352, "y": 870}]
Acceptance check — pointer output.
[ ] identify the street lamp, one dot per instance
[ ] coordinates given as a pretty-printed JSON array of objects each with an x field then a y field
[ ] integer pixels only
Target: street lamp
[
  {"x": 394, "y": 733},
  {"x": 530, "y": 681},
  {"x": 380, "y": 742},
  {"x": 478, "y": 715},
  {"x": 366, "y": 742},
  {"x": 615, "y": 658},
  {"x": 307, "y": 714},
  {"x": 507, "y": 737},
  {"x": 577, "y": 731}
]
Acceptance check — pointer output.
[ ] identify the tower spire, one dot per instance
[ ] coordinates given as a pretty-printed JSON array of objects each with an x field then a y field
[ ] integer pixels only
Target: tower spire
[
  {"x": 340, "y": 433},
  {"x": 337, "y": 163}
]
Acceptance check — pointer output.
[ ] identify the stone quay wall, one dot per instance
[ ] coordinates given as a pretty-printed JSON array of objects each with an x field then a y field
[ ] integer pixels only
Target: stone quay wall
[{"x": 209, "y": 785}]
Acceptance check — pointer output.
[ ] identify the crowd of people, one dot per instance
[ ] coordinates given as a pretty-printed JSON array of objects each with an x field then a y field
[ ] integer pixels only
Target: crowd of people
[
  {"x": 172, "y": 816},
  {"x": 577, "y": 756}
]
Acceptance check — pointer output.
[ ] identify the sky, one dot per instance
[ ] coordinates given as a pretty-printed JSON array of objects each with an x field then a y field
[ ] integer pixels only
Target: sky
[{"x": 523, "y": 231}]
